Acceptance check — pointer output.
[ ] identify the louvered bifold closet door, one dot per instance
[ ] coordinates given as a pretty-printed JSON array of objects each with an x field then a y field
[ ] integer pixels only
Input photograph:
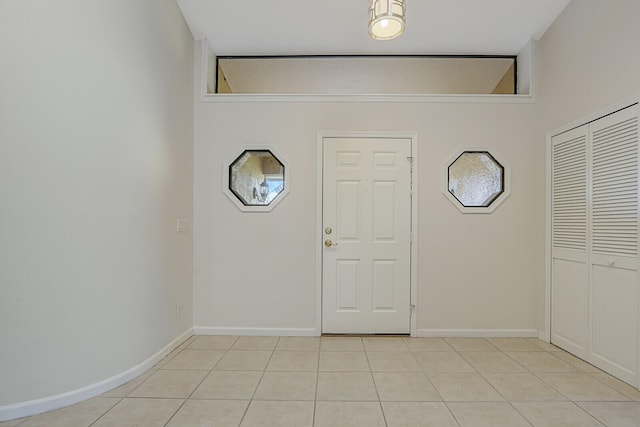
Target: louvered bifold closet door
[
  {"x": 614, "y": 244},
  {"x": 569, "y": 268}
]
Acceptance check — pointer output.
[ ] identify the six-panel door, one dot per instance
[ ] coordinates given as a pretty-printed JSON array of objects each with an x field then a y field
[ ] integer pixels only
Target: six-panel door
[{"x": 366, "y": 235}]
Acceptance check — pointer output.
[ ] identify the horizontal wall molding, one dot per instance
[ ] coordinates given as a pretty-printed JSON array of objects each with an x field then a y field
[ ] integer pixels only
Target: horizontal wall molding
[
  {"x": 479, "y": 333},
  {"x": 38, "y": 406},
  {"x": 277, "y": 332},
  {"x": 412, "y": 99}
]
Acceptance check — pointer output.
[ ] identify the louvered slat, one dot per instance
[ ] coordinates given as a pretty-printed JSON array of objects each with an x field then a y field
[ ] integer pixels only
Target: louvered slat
[
  {"x": 615, "y": 189},
  {"x": 569, "y": 193}
]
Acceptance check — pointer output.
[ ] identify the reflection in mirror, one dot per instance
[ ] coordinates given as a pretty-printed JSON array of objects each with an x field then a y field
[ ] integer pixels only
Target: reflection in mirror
[
  {"x": 476, "y": 179},
  {"x": 355, "y": 75},
  {"x": 256, "y": 177}
]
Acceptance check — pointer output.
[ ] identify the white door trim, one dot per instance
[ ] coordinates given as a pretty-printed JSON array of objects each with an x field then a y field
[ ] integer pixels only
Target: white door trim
[
  {"x": 545, "y": 334},
  {"x": 414, "y": 215}
]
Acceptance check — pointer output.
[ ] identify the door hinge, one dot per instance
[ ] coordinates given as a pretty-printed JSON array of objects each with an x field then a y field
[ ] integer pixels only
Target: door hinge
[{"x": 410, "y": 160}]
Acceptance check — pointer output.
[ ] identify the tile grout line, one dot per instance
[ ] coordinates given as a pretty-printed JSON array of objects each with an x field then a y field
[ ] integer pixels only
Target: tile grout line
[
  {"x": 203, "y": 379},
  {"x": 424, "y": 372},
  {"x": 315, "y": 395},
  {"x": 198, "y": 385},
  {"x": 498, "y": 350},
  {"x": 246, "y": 409},
  {"x": 259, "y": 381},
  {"x": 97, "y": 419},
  {"x": 375, "y": 386}
]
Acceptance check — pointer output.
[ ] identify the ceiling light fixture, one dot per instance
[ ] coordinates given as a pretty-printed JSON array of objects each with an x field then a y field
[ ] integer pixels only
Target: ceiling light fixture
[{"x": 386, "y": 19}]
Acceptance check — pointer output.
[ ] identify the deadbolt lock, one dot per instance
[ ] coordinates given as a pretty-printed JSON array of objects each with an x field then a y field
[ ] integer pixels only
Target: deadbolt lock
[{"x": 328, "y": 230}]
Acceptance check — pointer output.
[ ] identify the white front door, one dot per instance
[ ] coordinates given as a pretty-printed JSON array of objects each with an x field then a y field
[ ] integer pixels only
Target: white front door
[{"x": 366, "y": 233}]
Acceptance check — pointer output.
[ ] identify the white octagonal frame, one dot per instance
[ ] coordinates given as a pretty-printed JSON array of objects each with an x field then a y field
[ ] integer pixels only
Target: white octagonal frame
[
  {"x": 477, "y": 209},
  {"x": 255, "y": 208}
]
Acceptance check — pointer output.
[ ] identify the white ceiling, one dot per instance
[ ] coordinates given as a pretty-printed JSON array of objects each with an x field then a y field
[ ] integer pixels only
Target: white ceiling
[{"x": 325, "y": 27}]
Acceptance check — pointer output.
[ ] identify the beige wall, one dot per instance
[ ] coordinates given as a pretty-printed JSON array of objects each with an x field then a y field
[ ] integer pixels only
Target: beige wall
[
  {"x": 96, "y": 130},
  {"x": 588, "y": 61},
  {"x": 475, "y": 272},
  {"x": 506, "y": 83}
]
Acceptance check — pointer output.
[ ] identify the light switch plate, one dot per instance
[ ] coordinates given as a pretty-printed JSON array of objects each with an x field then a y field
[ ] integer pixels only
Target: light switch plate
[{"x": 182, "y": 226}]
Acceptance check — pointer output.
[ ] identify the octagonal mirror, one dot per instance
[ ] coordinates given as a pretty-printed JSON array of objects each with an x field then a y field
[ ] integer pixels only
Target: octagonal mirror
[
  {"x": 255, "y": 180},
  {"x": 476, "y": 181}
]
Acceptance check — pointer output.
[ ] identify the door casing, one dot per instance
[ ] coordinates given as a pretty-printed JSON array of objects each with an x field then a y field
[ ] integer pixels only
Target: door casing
[{"x": 414, "y": 216}]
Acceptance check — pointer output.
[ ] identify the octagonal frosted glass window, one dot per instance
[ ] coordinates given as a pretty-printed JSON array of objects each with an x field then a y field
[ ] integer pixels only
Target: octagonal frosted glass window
[
  {"x": 256, "y": 177},
  {"x": 476, "y": 179}
]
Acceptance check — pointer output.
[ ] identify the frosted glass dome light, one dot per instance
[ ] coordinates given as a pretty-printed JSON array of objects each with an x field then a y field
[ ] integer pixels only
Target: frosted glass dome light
[{"x": 386, "y": 19}]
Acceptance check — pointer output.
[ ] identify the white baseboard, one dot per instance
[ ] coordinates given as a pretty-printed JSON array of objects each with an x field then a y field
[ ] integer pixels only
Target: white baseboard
[
  {"x": 276, "y": 332},
  {"x": 478, "y": 333},
  {"x": 38, "y": 406}
]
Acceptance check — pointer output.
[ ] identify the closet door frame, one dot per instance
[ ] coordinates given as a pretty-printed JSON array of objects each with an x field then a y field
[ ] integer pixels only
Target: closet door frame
[{"x": 545, "y": 334}]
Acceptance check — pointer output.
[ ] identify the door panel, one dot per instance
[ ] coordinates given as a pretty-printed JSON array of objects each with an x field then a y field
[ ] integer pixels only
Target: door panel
[
  {"x": 367, "y": 235},
  {"x": 615, "y": 320},
  {"x": 383, "y": 279},
  {"x": 348, "y": 194},
  {"x": 614, "y": 244},
  {"x": 569, "y": 268},
  {"x": 346, "y": 284},
  {"x": 570, "y": 308}
]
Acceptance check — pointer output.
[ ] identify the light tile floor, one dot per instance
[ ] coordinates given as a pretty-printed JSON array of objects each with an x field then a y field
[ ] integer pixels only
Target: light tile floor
[{"x": 351, "y": 381}]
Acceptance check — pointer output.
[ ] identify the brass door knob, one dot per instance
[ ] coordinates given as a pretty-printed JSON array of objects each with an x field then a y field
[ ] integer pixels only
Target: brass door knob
[{"x": 328, "y": 243}]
